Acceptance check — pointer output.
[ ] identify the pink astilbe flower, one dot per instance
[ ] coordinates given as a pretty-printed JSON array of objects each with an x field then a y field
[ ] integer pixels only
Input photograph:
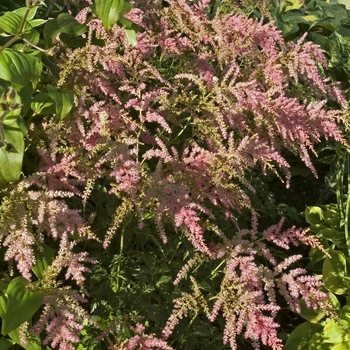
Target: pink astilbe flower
[
  {"x": 252, "y": 279},
  {"x": 62, "y": 319}
]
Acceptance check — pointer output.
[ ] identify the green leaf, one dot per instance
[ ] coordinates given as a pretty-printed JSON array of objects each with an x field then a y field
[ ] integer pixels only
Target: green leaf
[
  {"x": 64, "y": 100},
  {"x": 131, "y": 30},
  {"x": 313, "y": 215},
  {"x": 299, "y": 339},
  {"x": 22, "y": 11},
  {"x": 22, "y": 304},
  {"x": 335, "y": 273},
  {"x": 342, "y": 346},
  {"x": 64, "y": 23},
  {"x": 334, "y": 333},
  {"x": 17, "y": 67},
  {"x": 42, "y": 104},
  {"x": 11, "y": 22},
  {"x": 43, "y": 260},
  {"x": 5, "y": 344},
  {"x": 3, "y": 305},
  {"x": 11, "y": 159},
  {"x": 110, "y": 11}
]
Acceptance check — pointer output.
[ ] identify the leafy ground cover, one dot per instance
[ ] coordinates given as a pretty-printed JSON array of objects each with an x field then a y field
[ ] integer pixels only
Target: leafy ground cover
[{"x": 151, "y": 157}]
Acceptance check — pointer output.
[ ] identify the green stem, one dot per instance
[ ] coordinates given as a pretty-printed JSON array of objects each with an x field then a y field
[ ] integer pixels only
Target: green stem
[
  {"x": 120, "y": 257},
  {"x": 346, "y": 221}
]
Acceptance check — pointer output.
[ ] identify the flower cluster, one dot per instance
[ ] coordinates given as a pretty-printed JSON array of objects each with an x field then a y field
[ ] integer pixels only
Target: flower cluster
[{"x": 253, "y": 278}]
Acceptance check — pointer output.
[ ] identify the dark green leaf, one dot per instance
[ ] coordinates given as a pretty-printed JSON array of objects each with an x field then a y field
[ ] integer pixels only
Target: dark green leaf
[
  {"x": 64, "y": 23},
  {"x": 5, "y": 344},
  {"x": 64, "y": 100},
  {"x": 42, "y": 104},
  {"x": 43, "y": 260}
]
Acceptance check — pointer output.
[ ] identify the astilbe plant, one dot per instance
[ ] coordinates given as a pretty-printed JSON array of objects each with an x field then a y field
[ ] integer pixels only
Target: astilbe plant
[{"x": 174, "y": 125}]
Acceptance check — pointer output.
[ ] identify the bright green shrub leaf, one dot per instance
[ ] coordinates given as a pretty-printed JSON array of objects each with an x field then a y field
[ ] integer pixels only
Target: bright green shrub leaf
[
  {"x": 345, "y": 317},
  {"x": 37, "y": 22},
  {"x": 293, "y": 5},
  {"x": 110, "y": 11},
  {"x": 22, "y": 11},
  {"x": 313, "y": 215},
  {"x": 64, "y": 23},
  {"x": 334, "y": 333},
  {"x": 64, "y": 100},
  {"x": 17, "y": 67},
  {"x": 11, "y": 157},
  {"x": 11, "y": 22},
  {"x": 335, "y": 272},
  {"x": 333, "y": 235},
  {"x": 317, "y": 343},
  {"x": 342, "y": 346},
  {"x": 22, "y": 304},
  {"x": 299, "y": 339}
]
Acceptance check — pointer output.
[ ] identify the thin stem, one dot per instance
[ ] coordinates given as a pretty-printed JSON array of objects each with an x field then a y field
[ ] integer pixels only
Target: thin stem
[{"x": 346, "y": 221}]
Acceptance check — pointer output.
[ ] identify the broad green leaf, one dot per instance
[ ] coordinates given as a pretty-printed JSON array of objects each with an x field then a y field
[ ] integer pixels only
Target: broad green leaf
[
  {"x": 26, "y": 96},
  {"x": 299, "y": 339},
  {"x": 293, "y": 5},
  {"x": 110, "y": 11},
  {"x": 310, "y": 18},
  {"x": 11, "y": 157},
  {"x": 22, "y": 304},
  {"x": 11, "y": 22},
  {"x": 37, "y": 22},
  {"x": 334, "y": 333},
  {"x": 64, "y": 100},
  {"x": 22, "y": 11},
  {"x": 333, "y": 235},
  {"x": 131, "y": 30},
  {"x": 313, "y": 215},
  {"x": 335, "y": 272},
  {"x": 17, "y": 67},
  {"x": 64, "y": 23},
  {"x": 317, "y": 342}
]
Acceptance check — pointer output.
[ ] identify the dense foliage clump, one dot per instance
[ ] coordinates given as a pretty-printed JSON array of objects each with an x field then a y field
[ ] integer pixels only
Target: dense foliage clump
[{"x": 142, "y": 191}]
